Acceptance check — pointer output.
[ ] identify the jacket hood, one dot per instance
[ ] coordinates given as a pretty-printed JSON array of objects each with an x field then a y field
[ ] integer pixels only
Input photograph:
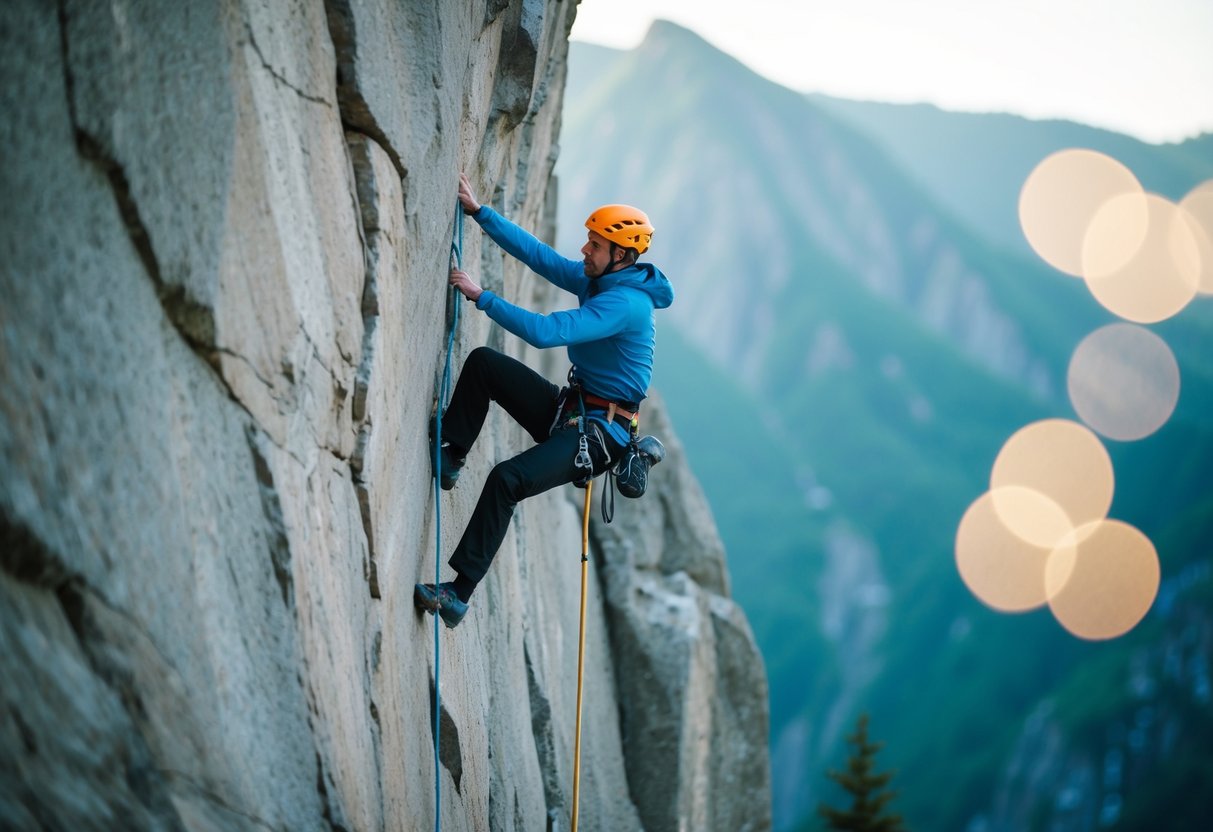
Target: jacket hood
[{"x": 643, "y": 276}]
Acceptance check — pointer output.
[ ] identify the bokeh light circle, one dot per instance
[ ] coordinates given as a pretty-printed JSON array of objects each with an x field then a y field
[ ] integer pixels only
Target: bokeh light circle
[
  {"x": 999, "y": 567},
  {"x": 1031, "y": 515},
  {"x": 1065, "y": 462},
  {"x": 1160, "y": 277},
  {"x": 1115, "y": 234},
  {"x": 1123, "y": 381},
  {"x": 1060, "y": 197},
  {"x": 1198, "y": 210},
  {"x": 1102, "y": 582}
]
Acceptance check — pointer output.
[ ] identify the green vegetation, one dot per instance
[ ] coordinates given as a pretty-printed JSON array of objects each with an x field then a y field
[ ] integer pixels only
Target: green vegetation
[{"x": 868, "y": 790}]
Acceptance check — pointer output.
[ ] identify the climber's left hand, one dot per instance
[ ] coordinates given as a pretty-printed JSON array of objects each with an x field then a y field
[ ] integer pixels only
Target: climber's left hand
[{"x": 466, "y": 286}]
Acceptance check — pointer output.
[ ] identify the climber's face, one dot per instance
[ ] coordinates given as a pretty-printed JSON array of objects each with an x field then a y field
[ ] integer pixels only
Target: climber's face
[{"x": 597, "y": 254}]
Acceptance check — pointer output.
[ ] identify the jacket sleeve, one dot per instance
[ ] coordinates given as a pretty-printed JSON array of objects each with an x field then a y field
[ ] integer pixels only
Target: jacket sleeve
[
  {"x": 601, "y": 317},
  {"x": 539, "y": 257}
]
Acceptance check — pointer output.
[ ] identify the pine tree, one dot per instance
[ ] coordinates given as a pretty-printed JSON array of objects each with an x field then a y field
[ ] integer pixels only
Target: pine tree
[{"x": 867, "y": 789}]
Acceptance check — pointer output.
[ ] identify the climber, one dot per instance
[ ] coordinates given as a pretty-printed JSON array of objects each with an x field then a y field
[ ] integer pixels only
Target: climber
[{"x": 579, "y": 430}]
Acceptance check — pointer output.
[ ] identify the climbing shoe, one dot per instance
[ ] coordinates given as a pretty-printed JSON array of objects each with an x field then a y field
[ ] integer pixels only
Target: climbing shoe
[
  {"x": 440, "y": 599},
  {"x": 452, "y": 464}
]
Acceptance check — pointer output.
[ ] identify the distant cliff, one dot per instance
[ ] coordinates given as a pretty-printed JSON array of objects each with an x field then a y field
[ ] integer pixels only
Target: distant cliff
[{"x": 225, "y": 237}]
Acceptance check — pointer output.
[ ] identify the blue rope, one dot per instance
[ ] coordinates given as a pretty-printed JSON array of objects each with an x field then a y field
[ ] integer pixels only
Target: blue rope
[{"x": 444, "y": 394}]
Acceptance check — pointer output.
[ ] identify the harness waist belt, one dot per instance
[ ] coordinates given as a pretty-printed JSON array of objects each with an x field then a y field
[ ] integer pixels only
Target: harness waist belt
[{"x": 613, "y": 409}]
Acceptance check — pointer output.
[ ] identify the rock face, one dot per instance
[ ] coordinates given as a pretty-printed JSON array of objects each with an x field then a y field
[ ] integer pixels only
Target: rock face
[
  {"x": 692, "y": 692},
  {"x": 222, "y": 325}
]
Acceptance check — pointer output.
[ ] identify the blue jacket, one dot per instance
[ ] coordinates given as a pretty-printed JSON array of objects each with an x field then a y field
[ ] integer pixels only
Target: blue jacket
[{"x": 609, "y": 336}]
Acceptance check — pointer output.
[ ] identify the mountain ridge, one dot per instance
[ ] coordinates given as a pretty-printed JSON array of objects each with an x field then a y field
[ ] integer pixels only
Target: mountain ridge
[{"x": 954, "y": 156}]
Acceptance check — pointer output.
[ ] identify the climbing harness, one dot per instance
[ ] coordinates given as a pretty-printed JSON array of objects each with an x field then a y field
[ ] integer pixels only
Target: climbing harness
[
  {"x": 443, "y": 397},
  {"x": 630, "y": 473},
  {"x": 565, "y": 418},
  {"x": 585, "y": 549}
]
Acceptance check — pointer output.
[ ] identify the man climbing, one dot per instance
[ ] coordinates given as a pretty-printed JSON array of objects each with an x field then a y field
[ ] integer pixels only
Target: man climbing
[{"x": 579, "y": 431}]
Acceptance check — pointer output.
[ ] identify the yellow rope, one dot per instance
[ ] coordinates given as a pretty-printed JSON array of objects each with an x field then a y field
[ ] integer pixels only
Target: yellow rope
[{"x": 585, "y": 549}]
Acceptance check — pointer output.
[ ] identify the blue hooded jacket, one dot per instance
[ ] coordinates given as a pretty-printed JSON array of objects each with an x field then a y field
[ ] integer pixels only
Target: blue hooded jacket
[{"x": 610, "y": 335}]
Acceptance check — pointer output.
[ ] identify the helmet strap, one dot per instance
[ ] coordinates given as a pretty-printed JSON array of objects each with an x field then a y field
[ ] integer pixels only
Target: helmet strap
[{"x": 622, "y": 264}]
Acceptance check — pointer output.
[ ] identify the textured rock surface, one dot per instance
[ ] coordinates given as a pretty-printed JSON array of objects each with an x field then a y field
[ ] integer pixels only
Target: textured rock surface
[
  {"x": 223, "y": 251},
  {"x": 692, "y": 691}
]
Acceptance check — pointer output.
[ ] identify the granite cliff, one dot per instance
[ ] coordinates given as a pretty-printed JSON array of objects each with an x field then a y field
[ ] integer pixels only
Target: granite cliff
[{"x": 222, "y": 257}]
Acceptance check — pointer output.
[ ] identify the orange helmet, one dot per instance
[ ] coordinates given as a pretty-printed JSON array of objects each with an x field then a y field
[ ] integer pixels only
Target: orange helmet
[{"x": 623, "y": 225}]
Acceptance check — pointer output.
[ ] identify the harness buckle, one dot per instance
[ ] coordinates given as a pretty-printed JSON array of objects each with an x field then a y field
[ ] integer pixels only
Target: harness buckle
[{"x": 582, "y": 459}]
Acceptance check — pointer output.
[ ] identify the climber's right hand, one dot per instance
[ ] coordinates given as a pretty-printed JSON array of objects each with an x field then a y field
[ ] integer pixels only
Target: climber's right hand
[{"x": 466, "y": 198}]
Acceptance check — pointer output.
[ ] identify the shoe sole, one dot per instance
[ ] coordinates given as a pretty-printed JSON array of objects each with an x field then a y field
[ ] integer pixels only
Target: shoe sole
[{"x": 421, "y": 602}]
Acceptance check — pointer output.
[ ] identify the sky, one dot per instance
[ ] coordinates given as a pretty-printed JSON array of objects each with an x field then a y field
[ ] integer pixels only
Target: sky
[{"x": 1139, "y": 67}]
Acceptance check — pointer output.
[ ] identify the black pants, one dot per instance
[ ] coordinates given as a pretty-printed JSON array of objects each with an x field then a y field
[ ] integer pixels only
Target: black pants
[{"x": 531, "y": 400}]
